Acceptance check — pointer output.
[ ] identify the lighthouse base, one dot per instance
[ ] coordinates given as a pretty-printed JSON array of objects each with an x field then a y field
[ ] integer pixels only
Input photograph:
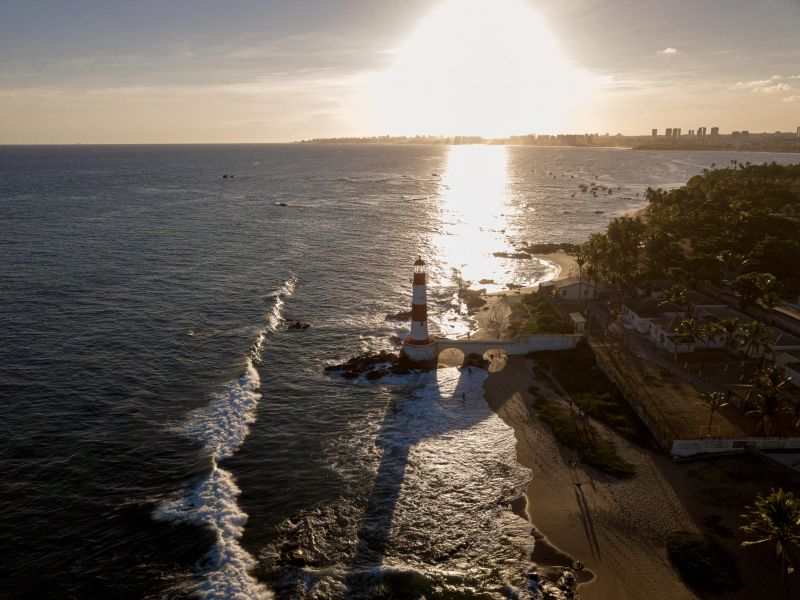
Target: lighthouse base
[{"x": 419, "y": 353}]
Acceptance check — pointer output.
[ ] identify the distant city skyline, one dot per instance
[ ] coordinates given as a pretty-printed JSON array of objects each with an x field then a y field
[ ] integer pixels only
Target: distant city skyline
[{"x": 250, "y": 71}]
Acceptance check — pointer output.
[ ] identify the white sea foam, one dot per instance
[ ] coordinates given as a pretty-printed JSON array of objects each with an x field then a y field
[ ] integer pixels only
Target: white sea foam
[
  {"x": 224, "y": 423},
  {"x": 222, "y": 426},
  {"x": 444, "y": 468},
  {"x": 225, "y": 570}
]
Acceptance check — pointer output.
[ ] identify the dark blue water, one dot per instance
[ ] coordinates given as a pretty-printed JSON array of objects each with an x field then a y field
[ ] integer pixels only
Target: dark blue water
[{"x": 164, "y": 434}]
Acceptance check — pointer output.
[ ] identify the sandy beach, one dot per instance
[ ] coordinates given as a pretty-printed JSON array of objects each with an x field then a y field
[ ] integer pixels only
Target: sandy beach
[
  {"x": 638, "y": 213},
  {"x": 560, "y": 265},
  {"x": 616, "y": 528}
]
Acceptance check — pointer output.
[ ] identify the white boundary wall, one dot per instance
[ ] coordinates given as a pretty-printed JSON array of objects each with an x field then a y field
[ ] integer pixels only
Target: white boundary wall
[{"x": 685, "y": 448}]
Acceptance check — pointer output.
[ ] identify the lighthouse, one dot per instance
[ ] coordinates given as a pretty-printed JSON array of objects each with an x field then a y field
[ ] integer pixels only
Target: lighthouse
[{"x": 418, "y": 345}]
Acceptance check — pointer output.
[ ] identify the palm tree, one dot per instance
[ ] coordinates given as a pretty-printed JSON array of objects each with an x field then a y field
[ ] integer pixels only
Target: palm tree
[
  {"x": 725, "y": 259},
  {"x": 677, "y": 294},
  {"x": 756, "y": 337},
  {"x": 769, "y": 399},
  {"x": 767, "y": 284},
  {"x": 709, "y": 331},
  {"x": 690, "y": 329},
  {"x": 729, "y": 326},
  {"x": 714, "y": 401},
  {"x": 580, "y": 260},
  {"x": 776, "y": 519}
]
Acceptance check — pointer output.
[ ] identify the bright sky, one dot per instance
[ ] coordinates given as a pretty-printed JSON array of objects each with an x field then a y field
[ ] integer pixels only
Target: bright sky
[{"x": 121, "y": 71}]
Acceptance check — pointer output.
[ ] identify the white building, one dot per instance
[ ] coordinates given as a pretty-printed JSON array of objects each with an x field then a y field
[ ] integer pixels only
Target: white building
[{"x": 572, "y": 289}]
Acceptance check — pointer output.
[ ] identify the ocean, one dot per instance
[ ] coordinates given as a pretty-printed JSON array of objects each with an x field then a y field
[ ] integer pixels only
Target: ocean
[{"x": 165, "y": 435}]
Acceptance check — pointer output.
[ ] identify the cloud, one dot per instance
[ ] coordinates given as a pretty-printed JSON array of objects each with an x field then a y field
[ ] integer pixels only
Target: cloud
[
  {"x": 669, "y": 50},
  {"x": 778, "y": 87},
  {"x": 764, "y": 86},
  {"x": 794, "y": 76},
  {"x": 794, "y": 98}
]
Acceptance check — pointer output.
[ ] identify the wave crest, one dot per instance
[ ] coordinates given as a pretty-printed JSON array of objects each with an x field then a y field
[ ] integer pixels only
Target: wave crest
[{"x": 222, "y": 426}]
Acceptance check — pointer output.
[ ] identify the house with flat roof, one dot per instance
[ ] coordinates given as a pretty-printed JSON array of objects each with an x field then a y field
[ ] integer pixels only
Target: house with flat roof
[
  {"x": 640, "y": 314},
  {"x": 573, "y": 289}
]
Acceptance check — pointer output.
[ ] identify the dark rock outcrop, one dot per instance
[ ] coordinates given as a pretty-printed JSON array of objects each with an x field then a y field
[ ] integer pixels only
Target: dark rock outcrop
[
  {"x": 377, "y": 365},
  {"x": 403, "y": 315},
  {"x": 474, "y": 299}
]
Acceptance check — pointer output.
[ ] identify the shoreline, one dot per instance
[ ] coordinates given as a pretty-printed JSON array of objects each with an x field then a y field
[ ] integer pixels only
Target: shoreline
[
  {"x": 560, "y": 265},
  {"x": 614, "y": 527},
  {"x": 640, "y": 212}
]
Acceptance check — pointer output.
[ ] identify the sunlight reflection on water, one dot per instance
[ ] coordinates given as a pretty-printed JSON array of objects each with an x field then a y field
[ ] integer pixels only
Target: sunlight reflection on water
[{"x": 474, "y": 199}]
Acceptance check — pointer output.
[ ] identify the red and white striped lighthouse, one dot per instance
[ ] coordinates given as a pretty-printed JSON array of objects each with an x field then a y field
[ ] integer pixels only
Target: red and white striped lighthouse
[
  {"x": 418, "y": 345},
  {"x": 419, "y": 307}
]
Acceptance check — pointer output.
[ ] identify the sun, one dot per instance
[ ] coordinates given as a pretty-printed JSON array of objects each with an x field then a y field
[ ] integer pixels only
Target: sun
[{"x": 477, "y": 67}]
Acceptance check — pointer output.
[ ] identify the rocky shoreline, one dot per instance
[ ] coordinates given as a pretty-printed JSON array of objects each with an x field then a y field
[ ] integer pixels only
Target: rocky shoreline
[{"x": 376, "y": 365}]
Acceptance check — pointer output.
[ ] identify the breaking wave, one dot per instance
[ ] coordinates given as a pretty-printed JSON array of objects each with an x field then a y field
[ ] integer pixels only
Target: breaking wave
[{"x": 222, "y": 426}]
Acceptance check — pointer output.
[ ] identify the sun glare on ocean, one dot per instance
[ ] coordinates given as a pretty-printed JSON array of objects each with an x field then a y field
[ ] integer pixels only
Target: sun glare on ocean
[
  {"x": 473, "y": 201},
  {"x": 477, "y": 67}
]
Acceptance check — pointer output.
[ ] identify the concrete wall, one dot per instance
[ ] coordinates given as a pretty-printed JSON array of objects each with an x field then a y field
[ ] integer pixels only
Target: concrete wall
[
  {"x": 685, "y": 448},
  {"x": 658, "y": 431},
  {"x": 575, "y": 291},
  {"x": 682, "y": 348},
  {"x": 634, "y": 321}
]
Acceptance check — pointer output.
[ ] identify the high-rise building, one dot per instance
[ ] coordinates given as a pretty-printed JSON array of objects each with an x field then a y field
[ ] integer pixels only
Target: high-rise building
[
  {"x": 668, "y": 132},
  {"x": 714, "y": 131},
  {"x": 676, "y": 132},
  {"x": 701, "y": 132},
  {"x": 654, "y": 132}
]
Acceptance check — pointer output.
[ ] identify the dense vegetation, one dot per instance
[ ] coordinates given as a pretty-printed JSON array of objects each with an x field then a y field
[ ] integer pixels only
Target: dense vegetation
[
  {"x": 535, "y": 315},
  {"x": 701, "y": 562},
  {"x": 594, "y": 394},
  {"x": 724, "y": 224},
  {"x": 579, "y": 435}
]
